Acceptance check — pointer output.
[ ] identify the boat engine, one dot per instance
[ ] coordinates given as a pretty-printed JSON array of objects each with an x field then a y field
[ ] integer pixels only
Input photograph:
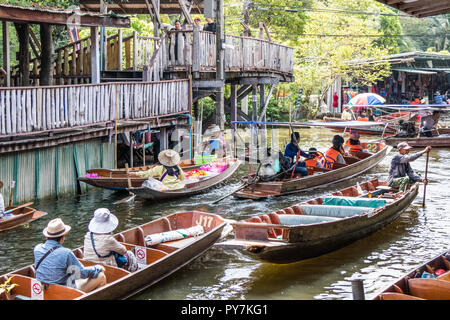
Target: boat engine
[{"x": 407, "y": 129}]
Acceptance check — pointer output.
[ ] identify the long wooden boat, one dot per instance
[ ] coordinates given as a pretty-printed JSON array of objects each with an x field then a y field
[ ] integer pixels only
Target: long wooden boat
[
  {"x": 117, "y": 179},
  {"x": 321, "y": 225},
  {"x": 190, "y": 189},
  {"x": 358, "y": 163},
  {"x": 392, "y": 120},
  {"x": 430, "y": 281},
  {"x": 19, "y": 217},
  {"x": 418, "y": 142},
  {"x": 159, "y": 261}
]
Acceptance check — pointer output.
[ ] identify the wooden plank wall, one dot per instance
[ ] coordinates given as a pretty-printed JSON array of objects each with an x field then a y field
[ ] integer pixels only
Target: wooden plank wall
[{"x": 34, "y": 109}]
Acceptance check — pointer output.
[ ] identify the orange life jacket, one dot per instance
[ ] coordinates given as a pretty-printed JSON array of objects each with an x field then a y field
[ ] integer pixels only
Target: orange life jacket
[
  {"x": 353, "y": 147},
  {"x": 330, "y": 157},
  {"x": 363, "y": 119},
  {"x": 312, "y": 162}
]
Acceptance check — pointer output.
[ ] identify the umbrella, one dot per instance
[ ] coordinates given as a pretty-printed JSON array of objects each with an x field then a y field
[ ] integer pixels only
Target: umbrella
[{"x": 367, "y": 99}]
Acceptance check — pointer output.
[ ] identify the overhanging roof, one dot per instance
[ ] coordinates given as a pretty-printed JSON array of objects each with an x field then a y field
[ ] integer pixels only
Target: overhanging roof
[
  {"x": 60, "y": 17},
  {"x": 412, "y": 70},
  {"x": 420, "y": 8},
  {"x": 141, "y": 6}
]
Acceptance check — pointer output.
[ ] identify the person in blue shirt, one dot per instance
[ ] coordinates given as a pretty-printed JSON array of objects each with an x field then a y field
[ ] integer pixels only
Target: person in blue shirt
[
  {"x": 55, "y": 264},
  {"x": 292, "y": 150},
  {"x": 440, "y": 99}
]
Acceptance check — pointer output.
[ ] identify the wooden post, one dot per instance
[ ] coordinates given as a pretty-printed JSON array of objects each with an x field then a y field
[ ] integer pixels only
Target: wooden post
[
  {"x": 46, "y": 75},
  {"x": 95, "y": 56},
  {"x": 233, "y": 114},
  {"x": 131, "y": 150},
  {"x": 262, "y": 117},
  {"x": 6, "y": 53},
  {"x": 220, "y": 63},
  {"x": 119, "y": 50},
  {"x": 24, "y": 56},
  {"x": 196, "y": 53},
  {"x": 135, "y": 51}
]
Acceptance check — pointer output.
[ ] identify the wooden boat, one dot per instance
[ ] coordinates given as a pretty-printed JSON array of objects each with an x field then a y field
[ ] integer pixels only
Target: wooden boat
[
  {"x": 19, "y": 217},
  {"x": 190, "y": 189},
  {"x": 418, "y": 142},
  {"x": 117, "y": 179},
  {"x": 430, "y": 281},
  {"x": 392, "y": 120},
  {"x": 358, "y": 163},
  {"x": 318, "y": 226},
  {"x": 159, "y": 261}
]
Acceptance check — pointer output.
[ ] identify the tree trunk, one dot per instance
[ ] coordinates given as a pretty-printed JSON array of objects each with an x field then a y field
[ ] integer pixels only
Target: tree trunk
[
  {"x": 23, "y": 34},
  {"x": 46, "y": 75}
]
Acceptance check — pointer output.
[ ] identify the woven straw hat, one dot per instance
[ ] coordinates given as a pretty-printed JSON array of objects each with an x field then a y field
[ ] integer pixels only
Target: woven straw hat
[
  {"x": 103, "y": 221},
  {"x": 56, "y": 228},
  {"x": 169, "y": 158}
]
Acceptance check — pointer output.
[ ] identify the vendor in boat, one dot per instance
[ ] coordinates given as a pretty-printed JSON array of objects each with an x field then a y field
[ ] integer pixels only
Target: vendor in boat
[
  {"x": 215, "y": 143},
  {"x": 101, "y": 247},
  {"x": 401, "y": 174},
  {"x": 428, "y": 123},
  {"x": 346, "y": 114},
  {"x": 292, "y": 151},
  {"x": 335, "y": 154},
  {"x": 168, "y": 172},
  {"x": 353, "y": 144},
  {"x": 55, "y": 264},
  {"x": 2, "y": 203}
]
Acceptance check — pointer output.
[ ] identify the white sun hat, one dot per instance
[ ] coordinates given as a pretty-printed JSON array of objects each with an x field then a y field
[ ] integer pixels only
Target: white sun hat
[{"x": 103, "y": 221}]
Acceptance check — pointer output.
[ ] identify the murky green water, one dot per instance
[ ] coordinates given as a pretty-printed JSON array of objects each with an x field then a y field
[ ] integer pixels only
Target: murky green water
[{"x": 416, "y": 236}]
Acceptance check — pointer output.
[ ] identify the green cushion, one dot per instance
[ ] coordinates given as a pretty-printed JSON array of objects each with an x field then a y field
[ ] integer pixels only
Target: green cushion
[
  {"x": 334, "y": 211},
  {"x": 297, "y": 219},
  {"x": 354, "y": 202}
]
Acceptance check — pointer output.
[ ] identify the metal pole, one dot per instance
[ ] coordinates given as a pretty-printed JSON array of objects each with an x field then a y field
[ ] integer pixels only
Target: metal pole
[{"x": 358, "y": 289}]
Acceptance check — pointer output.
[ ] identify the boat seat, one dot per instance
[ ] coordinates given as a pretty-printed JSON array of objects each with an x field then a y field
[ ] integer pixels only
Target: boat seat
[
  {"x": 334, "y": 211},
  {"x": 397, "y": 296},
  {"x": 354, "y": 202},
  {"x": 289, "y": 211},
  {"x": 294, "y": 219},
  {"x": 297, "y": 209},
  {"x": 274, "y": 219},
  {"x": 429, "y": 289}
]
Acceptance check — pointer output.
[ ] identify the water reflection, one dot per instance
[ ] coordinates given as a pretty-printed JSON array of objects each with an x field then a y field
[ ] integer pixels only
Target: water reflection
[{"x": 417, "y": 235}]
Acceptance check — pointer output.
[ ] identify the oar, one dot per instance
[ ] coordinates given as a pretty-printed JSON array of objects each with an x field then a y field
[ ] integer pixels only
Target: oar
[
  {"x": 425, "y": 184},
  {"x": 132, "y": 195},
  {"x": 246, "y": 184},
  {"x": 19, "y": 207}
]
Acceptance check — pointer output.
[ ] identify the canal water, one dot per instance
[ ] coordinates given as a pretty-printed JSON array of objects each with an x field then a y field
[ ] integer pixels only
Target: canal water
[{"x": 416, "y": 236}]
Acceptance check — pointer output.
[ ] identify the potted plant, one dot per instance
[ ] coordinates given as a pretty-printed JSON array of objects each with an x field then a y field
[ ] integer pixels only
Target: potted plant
[{"x": 6, "y": 288}]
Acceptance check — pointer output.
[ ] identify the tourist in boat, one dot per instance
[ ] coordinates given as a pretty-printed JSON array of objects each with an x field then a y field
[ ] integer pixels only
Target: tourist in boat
[
  {"x": 362, "y": 116},
  {"x": 168, "y": 172},
  {"x": 401, "y": 174},
  {"x": 215, "y": 143},
  {"x": 314, "y": 159},
  {"x": 334, "y": 154},
  {"x": 2, "y": 202},
  {"x": 55, "y": 264},
  {"x": 353, "y": 144},
  {"x": 101, "y": 247},
  {"x": 428, "y": 123},
  {"x": 292, "y": 152},
  {"x": 346, "y": 114}
]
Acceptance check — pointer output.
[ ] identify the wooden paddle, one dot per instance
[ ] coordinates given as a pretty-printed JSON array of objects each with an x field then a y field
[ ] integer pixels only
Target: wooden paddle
[
  {"x": 255, "y": 179},
  {"x": 131, "y": 194},
  {"x": 19, "y": 207},
  {"x": 425, "y": 184}
]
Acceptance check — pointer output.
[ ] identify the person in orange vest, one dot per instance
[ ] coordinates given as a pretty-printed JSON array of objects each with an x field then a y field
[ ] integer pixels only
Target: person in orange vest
[
  {"x": 334, "y": 154},
  {"x": 353, "y": 143},
  {"x": 314, "y": 160},
  {"x": 362, "y": 116}
]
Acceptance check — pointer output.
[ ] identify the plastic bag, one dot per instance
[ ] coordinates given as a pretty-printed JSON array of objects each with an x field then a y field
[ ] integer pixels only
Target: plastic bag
[{"x": 154, "y": 184}]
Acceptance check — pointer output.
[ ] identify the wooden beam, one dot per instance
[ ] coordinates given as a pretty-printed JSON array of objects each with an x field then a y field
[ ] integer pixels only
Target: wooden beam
[
  {"x": 156, "y": 10},
  {"x": 37, "y": 16},
  {"x": 434, "y": 12},
  {"x": 95, "y": 55},
  {"x": 266, "y": 103},
  {"x": 430, "y": 9},
  {"x": 185, "y": 12}
]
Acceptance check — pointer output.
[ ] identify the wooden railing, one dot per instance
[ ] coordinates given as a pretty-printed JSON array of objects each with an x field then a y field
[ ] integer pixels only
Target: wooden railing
[
  {"x": 36, "y": 109},
  {"x": 191, "y": 49},
  {"x": 198, "y": 49}
]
